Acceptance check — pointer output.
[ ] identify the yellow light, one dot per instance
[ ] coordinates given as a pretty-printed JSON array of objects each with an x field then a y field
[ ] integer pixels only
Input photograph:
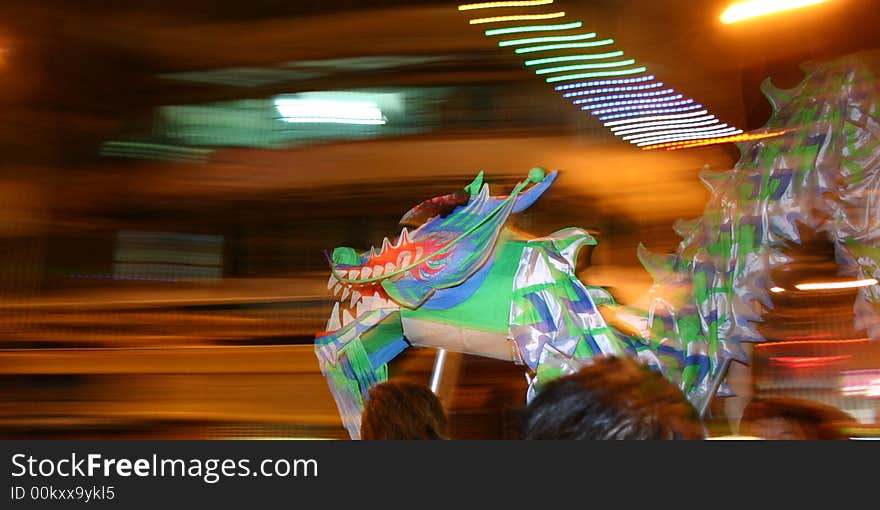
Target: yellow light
[
  {"x": 836, "y": 285},
  {"x": 672, "y": 146},
  {"x": 519, "y": 17},
  {"x": 752, "y": 8},
  {"x": 777, "y": 289},
  {"x": 490, "y": 5}
]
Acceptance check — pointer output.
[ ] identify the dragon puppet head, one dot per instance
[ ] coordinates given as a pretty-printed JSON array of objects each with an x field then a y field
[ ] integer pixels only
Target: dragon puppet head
[{"x": 444, "y": 241}]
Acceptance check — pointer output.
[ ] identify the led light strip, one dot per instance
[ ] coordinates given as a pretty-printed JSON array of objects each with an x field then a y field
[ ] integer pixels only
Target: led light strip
[
  {"x": 597, "y": 74},
  {"x": 651, "y": 112},
  {"x": 582, "y": 67},
  {"x": 640, "y": 106},
  {"x": 490, "y": 5},
  {"x": 663, "y": 124},
  {"x": 622, "y": 81},
  {"x": 533, "y": 28},
  {"x": 518, "y": 17},
  {"x": 677, "y": 131},
  {"x": 551, "y": 38},
  {"x": 591, "y": 44},
  {"x": 631, "y": 104},
  {"x": 609, "y": 104},
  {"x": 658, "y": 117},
  {"x": 569, "y": 58},
  {"x": 617, "y": 96},
  {"x": 727, "y": 139},
  {"x": 713, "y": 134},
  {"x": 613, "y": 89}
]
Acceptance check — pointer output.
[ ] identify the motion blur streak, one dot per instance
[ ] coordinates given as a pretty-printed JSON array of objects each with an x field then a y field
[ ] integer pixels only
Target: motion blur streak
[
  {"x": 164, "y": 215},
  {"x": 490, "y": 5},
  {"x": 518, "y": 17}
]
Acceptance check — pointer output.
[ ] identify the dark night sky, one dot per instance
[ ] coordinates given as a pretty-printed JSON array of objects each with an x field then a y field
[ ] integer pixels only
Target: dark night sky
[{"x": 91, "y": 66}]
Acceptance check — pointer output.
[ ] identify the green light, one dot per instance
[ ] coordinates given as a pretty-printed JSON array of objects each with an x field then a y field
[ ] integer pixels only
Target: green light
[
  {"x": 620, "y": 72},
  {"x": 579, "y": 67},
  {"x": 534, "y": 28},
  {"x": 554, "y": 38},
  {"x": 530, "y": 49},
  {"x": 594, "y": 56}
]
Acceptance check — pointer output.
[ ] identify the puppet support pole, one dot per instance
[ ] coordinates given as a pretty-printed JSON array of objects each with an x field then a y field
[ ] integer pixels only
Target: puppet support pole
[
  {"x": 716, "y": 382},
  {"x": 437, "y": 371}
]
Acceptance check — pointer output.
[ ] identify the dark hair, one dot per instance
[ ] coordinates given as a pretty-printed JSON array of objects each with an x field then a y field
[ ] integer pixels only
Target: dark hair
[
  {"x": 800, "y": 419},
  {"x": 401, "y": 410},
  {"x": 612, "y": 398}
]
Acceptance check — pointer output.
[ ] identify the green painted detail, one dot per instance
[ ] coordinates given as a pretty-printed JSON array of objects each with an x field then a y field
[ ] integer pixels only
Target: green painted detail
[
  {"x": 346, "y": 256},
  {"x": 382, "y": 334},
  {"x": 537, "y": 174},
  {"x": 474, "y": 187},
  {"x": 365, "y": 374}
]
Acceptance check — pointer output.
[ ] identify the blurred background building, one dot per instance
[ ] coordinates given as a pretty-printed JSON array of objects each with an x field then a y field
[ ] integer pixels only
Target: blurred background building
[{"x": 163, "y": 215}]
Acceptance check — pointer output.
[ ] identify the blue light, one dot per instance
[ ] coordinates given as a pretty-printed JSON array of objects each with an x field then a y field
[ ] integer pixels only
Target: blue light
[
  {"x": 624, "y": 96},
  {"x": 646, "y": 103},
  {"x": 618, "y": 81},
  {"x": 613, "y": 89},
  {"x": 651, "y": 112}
]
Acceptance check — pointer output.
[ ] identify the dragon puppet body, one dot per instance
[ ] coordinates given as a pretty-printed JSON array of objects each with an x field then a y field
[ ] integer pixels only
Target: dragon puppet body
[{"x": 462, "y": 281}]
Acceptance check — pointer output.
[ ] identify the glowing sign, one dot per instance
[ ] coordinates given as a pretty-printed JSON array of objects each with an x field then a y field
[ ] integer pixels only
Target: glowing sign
[{"x": 302, "y": 110}]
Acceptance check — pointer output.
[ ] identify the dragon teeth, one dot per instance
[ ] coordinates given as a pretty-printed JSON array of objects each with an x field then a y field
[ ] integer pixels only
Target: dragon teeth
[
  {"x": 354, "y": 274},
  {"x": 345, "y": 292},
  {"x": 404, "y": 259},
  {"x": 333, "y": 324},
  {"x": 404, "y": 237},
  {"x": 389, "y": 267},
  {"x": 346, "y": 318},
  {"x": 366, "y": 272},
  {"x": 377, "y": 271},
  {"x": 331, "y": 282},
  {"x": 355, "y": 298}
]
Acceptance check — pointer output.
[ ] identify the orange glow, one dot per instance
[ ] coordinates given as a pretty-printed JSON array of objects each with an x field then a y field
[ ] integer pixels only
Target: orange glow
[
  {"x": 813, "y": 342},
  {"x": 837, "y": 285},
  {"x": 809, "y": 361},
  {"x": 671, "y": 146},
  {"x": 741, "y": 11}
]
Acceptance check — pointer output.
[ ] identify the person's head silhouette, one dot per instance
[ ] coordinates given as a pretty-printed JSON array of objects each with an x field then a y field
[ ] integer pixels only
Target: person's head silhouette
[
  {"x": 401, "y": 410},
  {"x": 612, "y": 398}
]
